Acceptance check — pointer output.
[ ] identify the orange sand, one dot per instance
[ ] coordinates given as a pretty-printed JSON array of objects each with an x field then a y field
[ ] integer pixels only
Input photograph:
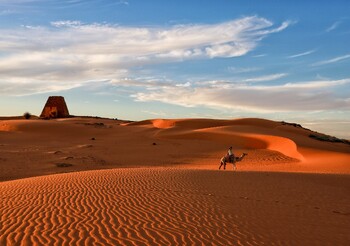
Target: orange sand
[{"x": 161, "y": 185}]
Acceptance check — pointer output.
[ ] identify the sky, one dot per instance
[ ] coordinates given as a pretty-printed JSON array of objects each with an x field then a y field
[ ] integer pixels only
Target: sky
[{"x": 144, "y": 59}]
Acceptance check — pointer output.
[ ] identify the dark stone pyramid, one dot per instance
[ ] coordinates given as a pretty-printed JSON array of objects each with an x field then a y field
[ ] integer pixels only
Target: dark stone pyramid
[{"x": 55, "y": 107}]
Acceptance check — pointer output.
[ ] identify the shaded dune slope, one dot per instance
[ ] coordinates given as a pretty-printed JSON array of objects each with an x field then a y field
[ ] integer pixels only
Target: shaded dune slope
[
  {"x": 266, "y": 141},
  {"x": 240, "y": 133}
]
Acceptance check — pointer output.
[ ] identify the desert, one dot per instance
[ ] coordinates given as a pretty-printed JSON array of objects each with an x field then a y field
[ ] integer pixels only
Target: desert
[
  {"x": 97, "y": 181},
  {"x": 134, "y": 123}
]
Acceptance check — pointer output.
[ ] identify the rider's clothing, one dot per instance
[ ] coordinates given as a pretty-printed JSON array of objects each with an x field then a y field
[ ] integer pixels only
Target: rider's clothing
[{"x": 230, "y": 154}]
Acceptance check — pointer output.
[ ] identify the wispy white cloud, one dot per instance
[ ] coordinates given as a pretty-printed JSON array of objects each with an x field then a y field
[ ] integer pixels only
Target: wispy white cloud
[
  {"x": 333, "y": 60},
  {"x": 72, "y": 51},
  {"x": 284, "y": 25},
  {"x": 317, "y": 84},
  {"x": 260, "y": 55},
  {"x": 66, "y": 23},
  {"x": 124, "y": 2},
  {"x": 298, "y": 96},
  {"x": 333, "y": 26},
  {"x": 264, "y": 78},
  {"x": 187, "y": 84},
  {"x": 302, "y": 54},
  {"x": 157, "y": 114}
]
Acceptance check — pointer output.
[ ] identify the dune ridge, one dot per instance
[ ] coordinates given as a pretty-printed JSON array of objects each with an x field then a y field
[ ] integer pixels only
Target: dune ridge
[{"x": 40, "y": 147}]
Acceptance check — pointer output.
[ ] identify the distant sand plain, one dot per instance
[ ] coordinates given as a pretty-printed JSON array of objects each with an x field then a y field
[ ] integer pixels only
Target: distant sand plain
[{"x": 86, "y": 181}]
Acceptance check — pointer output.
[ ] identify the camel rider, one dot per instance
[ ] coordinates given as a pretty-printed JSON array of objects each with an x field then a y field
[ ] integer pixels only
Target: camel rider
[{"x": 230, "y": 154}]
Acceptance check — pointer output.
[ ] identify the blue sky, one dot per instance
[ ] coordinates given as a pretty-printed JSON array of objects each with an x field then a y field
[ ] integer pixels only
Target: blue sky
[{"x": 133, "y": 59}]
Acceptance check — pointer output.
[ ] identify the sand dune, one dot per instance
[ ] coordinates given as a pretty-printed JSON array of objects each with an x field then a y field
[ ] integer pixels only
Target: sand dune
[
  {"x": 27, "y": 146},
  {"x": 162, "y": 185},
  {"x": 161, "y": 206}
]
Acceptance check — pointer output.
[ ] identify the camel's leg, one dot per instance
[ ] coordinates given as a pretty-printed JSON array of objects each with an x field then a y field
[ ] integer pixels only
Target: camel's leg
[
  {"x": 234, "y": 166},
  {"x": 220, "y": 165}
]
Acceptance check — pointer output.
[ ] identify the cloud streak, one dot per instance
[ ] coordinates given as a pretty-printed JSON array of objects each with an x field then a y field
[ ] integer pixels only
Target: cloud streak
[
  {"x": 333, "y": 26},
  {"x": 77, "y": 52},
  {"x": 302, "y": 54},
  {"x": 333, "y": 60},
  {"x": 264, "y": 78},
  {"x": 301, "y": 96},
  {"x": 237, "y": 70}
]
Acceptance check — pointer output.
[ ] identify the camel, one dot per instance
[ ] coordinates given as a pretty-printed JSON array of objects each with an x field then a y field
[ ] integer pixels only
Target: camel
[{"x": 225, "y": 159}]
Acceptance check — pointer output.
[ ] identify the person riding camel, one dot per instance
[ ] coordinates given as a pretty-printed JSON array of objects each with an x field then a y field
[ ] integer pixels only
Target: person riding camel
[{"x": 230, "y": 154}]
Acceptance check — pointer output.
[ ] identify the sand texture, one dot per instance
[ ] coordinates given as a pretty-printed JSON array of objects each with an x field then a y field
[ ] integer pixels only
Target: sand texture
[
  {"x": 160, "y": 206},
  {"x": 88, "y": 181}
]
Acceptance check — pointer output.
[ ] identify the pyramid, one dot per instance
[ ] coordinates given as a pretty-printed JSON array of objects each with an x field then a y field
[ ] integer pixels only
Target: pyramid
[{"x": 55, "y": 107}]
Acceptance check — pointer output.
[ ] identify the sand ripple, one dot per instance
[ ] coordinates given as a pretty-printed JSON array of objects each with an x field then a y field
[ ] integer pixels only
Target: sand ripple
[
  {"x": 119, "y": 207},
  {"x": 164, "y": 206}
]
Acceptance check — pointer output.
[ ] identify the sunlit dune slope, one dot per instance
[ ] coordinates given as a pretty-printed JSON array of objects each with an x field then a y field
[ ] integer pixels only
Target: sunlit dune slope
[
  {"x": 248, "y": 133},
  {"x": 167, "y": 206},
  {"x": 40, "y": 147}
]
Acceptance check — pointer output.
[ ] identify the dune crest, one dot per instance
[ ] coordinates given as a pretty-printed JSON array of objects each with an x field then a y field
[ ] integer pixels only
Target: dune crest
[
  {"x": 229, "y": 132},
  {"x": 33, "y": 126},
  {"x": 163, "y": 124},
  {"x": 283, "y": 145}
]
